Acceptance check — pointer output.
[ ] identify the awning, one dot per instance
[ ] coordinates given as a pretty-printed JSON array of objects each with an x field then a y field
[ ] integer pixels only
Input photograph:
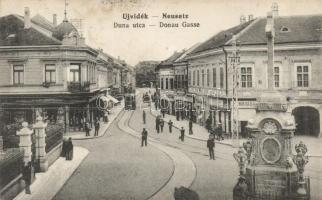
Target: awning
[
  {"x": 108, "y": 99},
  {"x": 246, "y": 114}
]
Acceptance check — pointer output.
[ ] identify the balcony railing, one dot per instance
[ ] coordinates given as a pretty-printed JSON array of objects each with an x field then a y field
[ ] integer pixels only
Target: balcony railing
[{"x": 79, "y": 86}]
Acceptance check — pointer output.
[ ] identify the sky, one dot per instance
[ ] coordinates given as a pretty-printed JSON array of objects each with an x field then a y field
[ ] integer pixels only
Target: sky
[{"x": 152, "y": 42}]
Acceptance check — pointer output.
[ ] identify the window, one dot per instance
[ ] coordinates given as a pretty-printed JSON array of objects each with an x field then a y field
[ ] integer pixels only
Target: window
[
  {"x": 166, "y": 83},
  {"x": 189, "y": 78},
  {"x": 171, "y": 83},
  {"x": 302, "y": 75},
  {"x": 161, "y": 83},
  {"x": 276, "y": 77},
  {"x": 214, "y": 77},
  {"x": 50, "y": 73},
  {"x": 208, "y": 77},
  {"x": 246, "y": 77},
  {"x": 74, "y": 74},
  {"x": 18, "y": 76},
  {"x": 194, "y": 78},
  {"x": 203, "y": 77},
  {"x": 198, "y": 78},
  {"x": 221, "y": 77}
]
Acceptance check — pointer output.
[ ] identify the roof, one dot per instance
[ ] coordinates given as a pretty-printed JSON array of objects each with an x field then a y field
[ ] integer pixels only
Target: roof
[
  {"x": 299, "y": 29},
  {"x": 43, "y": 22},
  {"x": 62, "y": 29},
  {"x": 12, "y": 33},
  {"x": 220, "y": 38},
  {"x": 172, "y": 58}
]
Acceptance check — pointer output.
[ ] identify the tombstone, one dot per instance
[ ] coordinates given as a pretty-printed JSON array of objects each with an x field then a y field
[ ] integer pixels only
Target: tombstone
[{"x": 270, "y": 170}]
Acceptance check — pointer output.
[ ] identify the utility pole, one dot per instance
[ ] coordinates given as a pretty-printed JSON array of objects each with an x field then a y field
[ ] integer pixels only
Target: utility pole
[{"x": 234, "y": 62}]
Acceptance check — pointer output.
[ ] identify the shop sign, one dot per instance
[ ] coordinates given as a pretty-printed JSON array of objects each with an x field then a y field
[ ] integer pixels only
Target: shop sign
[
  {"x": 272, "y": 107},
  {"x": 247, "y": 104}
]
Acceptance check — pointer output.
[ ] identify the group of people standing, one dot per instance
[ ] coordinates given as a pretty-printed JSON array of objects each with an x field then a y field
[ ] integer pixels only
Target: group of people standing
[{"x": 88, "y": 128}]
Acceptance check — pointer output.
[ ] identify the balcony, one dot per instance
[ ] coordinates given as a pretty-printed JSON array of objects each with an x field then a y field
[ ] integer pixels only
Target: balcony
[{"x": 75, "y": 87}]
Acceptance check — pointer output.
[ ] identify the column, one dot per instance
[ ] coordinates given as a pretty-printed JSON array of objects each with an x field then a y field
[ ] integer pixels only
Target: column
[
  {"x": 66, "y": 118},
  {"x": 40, "y": 132},
  {"x": 25, "y": 141}
]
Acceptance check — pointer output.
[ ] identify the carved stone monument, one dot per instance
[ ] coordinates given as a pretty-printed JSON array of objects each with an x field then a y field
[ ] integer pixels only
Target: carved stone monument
[{"x": 271, "y": 169}]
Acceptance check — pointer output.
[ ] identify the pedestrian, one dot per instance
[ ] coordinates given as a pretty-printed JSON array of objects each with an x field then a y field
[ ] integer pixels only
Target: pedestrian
[
  {"x": 26, "y": 174},
  {"x": 163, "y": 112},
  {"x": 144, "y": 137},
  {"x": 69, "y": 149},
  {"x": 161, "y": 124},
  {"x": 208, "y": 124},
  {"x": 106, "y": 116},
  {"x": 144, "y": 117},
  {"x": 157, "y": 124},
  {"x": 210, "y": 146},
  {"x": 219, "y": 132},
  {"x": 97, "y": 127},
  {"x": 240, "y": 191},
  {"x": 87, "y": 128},
  {"x": 190, "y": 127},
  {"x": 170, "y": 123},
  {"x": 64, "y": 148},
  {"x": 182, "y": 134}
]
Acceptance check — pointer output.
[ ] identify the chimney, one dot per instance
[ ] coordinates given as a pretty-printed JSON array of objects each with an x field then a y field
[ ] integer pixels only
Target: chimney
[
  {"x": 55, "y": 19},
  {"x": 275, "y": 9},
  {"x": 270, "y": 34},
  {"x": 27, "y": 18},
  {"x": 242, "y": 19},
  {"x": 250, "y": 17}
]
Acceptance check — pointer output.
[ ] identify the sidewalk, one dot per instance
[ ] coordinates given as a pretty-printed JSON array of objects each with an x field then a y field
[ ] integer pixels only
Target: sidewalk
[
  {"x": 199, "y": 132},
  {"x": 49, "y": 183},
  {"x": 80, "y": 135}
]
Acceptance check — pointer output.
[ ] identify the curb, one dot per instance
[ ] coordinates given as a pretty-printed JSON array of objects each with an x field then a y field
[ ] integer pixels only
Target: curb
[
  {"x": 187, "y": 135},
  {"x": 58, "y": 185},
  {"x": 108, "y": 126}
]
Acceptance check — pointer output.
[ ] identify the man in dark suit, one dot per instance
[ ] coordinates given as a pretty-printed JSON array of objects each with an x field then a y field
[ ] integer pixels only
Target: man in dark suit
[
  {"x": 97, "y": 127},
  {"x": 144, "y": 137},
  {"x": 170, "y": 123},
  {"x": 210, "y": 146},
  {"x": 190, "y": 127},
  {"x": 182, "y": 134},
  {"x": 144, "y": 117}
]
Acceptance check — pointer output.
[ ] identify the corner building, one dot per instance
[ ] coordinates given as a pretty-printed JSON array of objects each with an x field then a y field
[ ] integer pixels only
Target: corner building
[{"x": 296, "y": 74}]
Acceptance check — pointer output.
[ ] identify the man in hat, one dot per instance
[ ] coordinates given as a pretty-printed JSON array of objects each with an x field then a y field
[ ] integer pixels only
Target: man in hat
[
  {"x": 144, "y": 137},
  {"x": 190, "y": 127},
  {"x": 144, "y": 117},
  {"x": 170, "y": 123},
  {"x": 182, "y": 134},
  {"x": 210, "y": 146}
]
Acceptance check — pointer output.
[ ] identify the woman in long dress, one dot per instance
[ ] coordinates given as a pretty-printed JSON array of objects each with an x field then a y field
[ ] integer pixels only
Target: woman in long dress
[{"x": 69, "y": 149}]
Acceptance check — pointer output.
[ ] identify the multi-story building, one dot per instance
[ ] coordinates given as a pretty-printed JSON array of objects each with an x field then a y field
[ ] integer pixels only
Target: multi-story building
[
  {"x": 48, "y": 70},
  {"x": 296, "y": 70}
]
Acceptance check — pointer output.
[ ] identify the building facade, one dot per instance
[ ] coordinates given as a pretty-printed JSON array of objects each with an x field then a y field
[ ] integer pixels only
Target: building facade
[
  {"x": 48, "y": 70},
  {"x": 296, "y": 72}
]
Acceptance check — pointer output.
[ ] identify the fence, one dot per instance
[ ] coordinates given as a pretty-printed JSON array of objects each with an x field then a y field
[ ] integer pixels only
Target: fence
[
  {"x": 54, "y": 136},
  {"x": 11, "y": 163}
]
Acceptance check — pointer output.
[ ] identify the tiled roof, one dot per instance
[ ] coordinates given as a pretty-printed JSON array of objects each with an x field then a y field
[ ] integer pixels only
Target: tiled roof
[
  {"x": 43, "y": 22},
  {"x": 220, "y": 38},
  {"x": 172, "y": 58},
  {"x": 12, "y": 33},
  {"x": 298, "y": 29}
]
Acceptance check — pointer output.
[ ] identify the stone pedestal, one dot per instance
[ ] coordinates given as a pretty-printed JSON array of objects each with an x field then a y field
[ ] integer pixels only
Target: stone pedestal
[
  {"x": 25, "y": 141},
  {"x": 40, "y": 127}
]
